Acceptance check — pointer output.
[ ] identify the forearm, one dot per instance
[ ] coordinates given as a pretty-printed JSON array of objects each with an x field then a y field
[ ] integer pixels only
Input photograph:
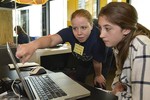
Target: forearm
[
  {"x": 40, "y": 43},
  {"x": 99, "y": 79},
  {"x": 46, "y": 41},
  {"x": 97, "y": 68}
]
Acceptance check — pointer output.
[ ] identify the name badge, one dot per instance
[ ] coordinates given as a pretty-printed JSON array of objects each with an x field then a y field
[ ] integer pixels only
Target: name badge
[{"x": 78, "y": 49}]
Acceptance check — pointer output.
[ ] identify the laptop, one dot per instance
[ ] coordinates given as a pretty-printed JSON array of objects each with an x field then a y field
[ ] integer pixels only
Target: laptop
[{"x": 70, "y": 90}]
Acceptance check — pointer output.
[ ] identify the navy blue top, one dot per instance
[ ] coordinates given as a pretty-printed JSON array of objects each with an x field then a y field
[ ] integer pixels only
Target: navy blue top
[
  {"x": 94, "y": 47},
  {"x": 23, "y": 38}
]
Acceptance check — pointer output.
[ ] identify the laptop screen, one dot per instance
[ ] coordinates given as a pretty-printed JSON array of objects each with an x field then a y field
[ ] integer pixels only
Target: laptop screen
[{"x": 13, "y": 60}]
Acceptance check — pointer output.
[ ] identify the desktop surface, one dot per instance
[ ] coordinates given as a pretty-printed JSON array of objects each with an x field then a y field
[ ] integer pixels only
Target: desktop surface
[{"x": 98, "y": 94}]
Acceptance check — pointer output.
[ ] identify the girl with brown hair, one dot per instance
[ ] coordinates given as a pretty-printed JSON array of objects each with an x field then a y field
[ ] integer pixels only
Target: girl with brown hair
[{"x": 118, "y": 23}]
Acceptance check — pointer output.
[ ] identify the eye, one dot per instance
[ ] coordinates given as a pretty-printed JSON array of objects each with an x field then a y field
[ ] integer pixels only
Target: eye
[
  {"x": 107, "y": 29},
  {"x": 99, "y": 27},
  {"x": 74, "y": 28},
  {"x": 83, "y": 27}
]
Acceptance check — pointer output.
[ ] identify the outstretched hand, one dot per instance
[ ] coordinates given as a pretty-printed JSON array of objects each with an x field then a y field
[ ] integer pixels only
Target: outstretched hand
[{"x": 24, "y": 52}]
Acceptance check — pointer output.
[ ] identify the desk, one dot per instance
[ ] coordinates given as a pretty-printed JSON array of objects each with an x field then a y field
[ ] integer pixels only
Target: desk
[
  {"x": 95, "y": 93},
  {"x": 50, "y": 51},
  {"x": 98, "y": 94}
]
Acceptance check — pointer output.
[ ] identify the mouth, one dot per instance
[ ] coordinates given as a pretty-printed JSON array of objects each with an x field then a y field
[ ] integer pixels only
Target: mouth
[
  {"x": 106, "y": 42},
  {"x": 81, "y": 39}
]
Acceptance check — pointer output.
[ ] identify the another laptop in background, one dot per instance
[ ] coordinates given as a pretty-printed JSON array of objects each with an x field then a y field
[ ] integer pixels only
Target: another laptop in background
[{"x": 55, "y": 86}]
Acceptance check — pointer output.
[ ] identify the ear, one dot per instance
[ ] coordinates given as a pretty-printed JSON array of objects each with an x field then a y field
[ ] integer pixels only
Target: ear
[{"x": 126, "y": 31}]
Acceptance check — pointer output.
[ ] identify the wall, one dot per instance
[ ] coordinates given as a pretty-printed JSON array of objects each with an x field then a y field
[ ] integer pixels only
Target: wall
[
  {"x": 58, "y": 15},
  {"x": 6, "y": 29},
  {"x": 72, "y": 5},
  {"x": 104, "y": 2},
  {"x": 142, "y": 7}
]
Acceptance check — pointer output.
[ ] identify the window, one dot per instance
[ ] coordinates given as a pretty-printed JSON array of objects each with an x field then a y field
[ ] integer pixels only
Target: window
[
  {"x": 30, "y": 19},
  {"x": 142, "y": 6},
  {"x": 90, "y": 5}
]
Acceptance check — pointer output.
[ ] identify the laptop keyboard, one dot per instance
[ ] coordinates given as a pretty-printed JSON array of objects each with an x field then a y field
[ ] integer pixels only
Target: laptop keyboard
[{"x": 46, "y": 88}]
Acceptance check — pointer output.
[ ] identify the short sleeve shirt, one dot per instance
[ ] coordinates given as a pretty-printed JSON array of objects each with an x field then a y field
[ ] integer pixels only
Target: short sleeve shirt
[
  {"x": 94, "y": 47},
  {"x": 23, "y": 38}
]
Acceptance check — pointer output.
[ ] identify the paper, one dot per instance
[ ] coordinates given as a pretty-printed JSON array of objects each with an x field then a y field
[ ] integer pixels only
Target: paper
[
  {"x": 27, "y": 64},
  {"x": 107, "y": 91}
]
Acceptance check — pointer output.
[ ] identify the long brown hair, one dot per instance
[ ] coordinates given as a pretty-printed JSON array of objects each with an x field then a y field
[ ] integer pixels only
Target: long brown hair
[{"x": 125, "y": 16}]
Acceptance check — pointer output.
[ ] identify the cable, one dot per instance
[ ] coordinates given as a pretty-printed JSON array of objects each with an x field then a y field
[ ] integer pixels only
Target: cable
[{"x": 12, "y": 87}]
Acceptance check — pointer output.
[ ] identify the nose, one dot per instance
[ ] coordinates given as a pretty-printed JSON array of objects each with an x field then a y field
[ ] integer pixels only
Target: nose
[
  {"x": 79, "y": 31},
  {"x": 101, "y": 34}
]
